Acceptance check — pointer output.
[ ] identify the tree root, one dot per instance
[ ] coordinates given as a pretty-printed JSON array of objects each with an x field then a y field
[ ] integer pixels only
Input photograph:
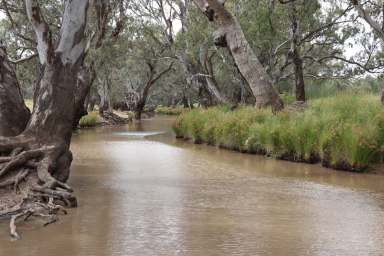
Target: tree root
[
  {"x": 20, "y": 160},
  {"x": 15, "y": 182},
  {"x": 27, "y": 172},
  {"x": 34, "y": 205}
]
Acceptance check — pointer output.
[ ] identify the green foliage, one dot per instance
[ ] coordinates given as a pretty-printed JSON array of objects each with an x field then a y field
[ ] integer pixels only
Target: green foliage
[
  {"x": 288, "y": 98},
  {"x": 172, "y": 111},
  {"x": 345, "y": 131},
  {"x": 89, "y": 120}
]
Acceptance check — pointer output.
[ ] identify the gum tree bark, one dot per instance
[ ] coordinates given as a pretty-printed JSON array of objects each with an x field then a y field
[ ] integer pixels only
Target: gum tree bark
[
  {"x": 14, "y": 115},
  {"x": 230, "y": 35},
  {"x": 37, "y": 161}
]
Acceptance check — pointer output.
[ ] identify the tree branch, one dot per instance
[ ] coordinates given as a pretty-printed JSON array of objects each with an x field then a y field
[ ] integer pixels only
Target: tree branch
[{"x": 41, "y": 28}]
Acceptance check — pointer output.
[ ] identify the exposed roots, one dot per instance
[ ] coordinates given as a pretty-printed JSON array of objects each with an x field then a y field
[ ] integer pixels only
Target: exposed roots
[
  {"x": 28, "y": 187},
  {"x": 30, "y": 207}
]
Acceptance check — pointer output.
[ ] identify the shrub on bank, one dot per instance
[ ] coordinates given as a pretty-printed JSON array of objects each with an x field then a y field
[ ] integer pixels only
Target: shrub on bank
[
  {"x": 89, "y": 120},
  {"x": 343, "y": 132},
  {"x": 169, "y": 110}
]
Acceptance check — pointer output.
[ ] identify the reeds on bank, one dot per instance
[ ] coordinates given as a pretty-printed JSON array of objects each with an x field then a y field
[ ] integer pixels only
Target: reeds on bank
[{"x": 345, "y": 131}]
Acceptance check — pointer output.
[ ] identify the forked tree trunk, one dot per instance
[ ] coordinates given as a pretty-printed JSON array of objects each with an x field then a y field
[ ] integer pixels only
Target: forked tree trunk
[
  {"x": 14, "y": 115},
  {"x": 40, "y": 155},
  {"x": 152, "y": 79},
  {"x": 231, "y": 36}
]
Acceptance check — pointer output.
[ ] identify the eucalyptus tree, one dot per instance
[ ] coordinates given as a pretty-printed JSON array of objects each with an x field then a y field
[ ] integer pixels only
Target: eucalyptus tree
[
  {"x": 39, "y": 153},
  {"x": 173, "y": 18},
  {"x": 229, "y": 34},
  {"x": 372, "y": 12},
  {"x": 148, "y": 60},
  {"x": 298, "y": 40}
]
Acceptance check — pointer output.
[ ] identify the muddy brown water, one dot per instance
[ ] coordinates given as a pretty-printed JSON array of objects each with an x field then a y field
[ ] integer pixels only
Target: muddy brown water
[{"x": 142, "y": 192}]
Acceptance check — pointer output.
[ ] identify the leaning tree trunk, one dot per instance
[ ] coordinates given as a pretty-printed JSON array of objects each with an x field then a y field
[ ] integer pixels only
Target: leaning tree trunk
[
  {"x": 37, "y": 161},
  {"x": 14, "y": 115},
  {"x": 231, "y": 36}
]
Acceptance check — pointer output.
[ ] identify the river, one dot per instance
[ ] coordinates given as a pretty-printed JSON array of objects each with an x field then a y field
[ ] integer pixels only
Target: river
[{"x": 142, "y": 192}]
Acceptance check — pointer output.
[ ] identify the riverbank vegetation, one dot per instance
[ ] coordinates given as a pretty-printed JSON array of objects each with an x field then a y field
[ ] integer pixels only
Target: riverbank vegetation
[
  {"x": 344, "y": 132},
  {"x": 172, "y": 111},
  {"x": 118, "y": 56},
  {"x": 89, "y": 120}
]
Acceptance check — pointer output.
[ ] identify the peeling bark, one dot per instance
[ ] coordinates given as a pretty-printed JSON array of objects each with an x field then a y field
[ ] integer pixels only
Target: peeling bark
[
  {"x": 231, "y": 36},
  {"x": 37, "y": 161}
]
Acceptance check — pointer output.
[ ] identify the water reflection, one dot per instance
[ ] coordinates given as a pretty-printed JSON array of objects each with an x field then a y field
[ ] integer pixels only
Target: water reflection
[{"x": 160, "y": 196}]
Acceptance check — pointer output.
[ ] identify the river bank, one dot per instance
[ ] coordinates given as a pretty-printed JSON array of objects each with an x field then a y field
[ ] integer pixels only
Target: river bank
[
  {"x": 142, "y": 192},
  {"x": 345, "y": 132}
]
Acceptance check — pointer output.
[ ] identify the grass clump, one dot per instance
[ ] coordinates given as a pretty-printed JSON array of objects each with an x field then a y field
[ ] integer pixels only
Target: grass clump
[
  {"x": 174, "y": 111},
  {"x": 89, "y": 120},
  {"x": 345, "y": 131}
]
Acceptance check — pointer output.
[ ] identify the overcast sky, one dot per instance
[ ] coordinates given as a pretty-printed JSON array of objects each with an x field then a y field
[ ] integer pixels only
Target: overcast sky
[{"x": 349, "y": 51}]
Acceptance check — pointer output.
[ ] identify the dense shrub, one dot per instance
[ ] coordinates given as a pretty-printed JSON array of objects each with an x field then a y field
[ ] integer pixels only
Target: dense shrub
[
  {"x": 89, "y": 120},
  {"x": 345, "y": 131}
]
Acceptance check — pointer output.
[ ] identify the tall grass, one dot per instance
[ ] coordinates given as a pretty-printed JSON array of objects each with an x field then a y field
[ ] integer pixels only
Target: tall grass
[
  {"x": 178, "y": 110},
  {"x": 345, "y": 131},
  {"x": 89, "y": 120}
]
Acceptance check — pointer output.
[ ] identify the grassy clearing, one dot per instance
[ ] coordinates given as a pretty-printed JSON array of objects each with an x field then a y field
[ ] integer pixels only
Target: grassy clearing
[
  {"x": 175, "y": 111},
  {"x": 89, "y": 120},
  {"x": 343, "y": 132}
]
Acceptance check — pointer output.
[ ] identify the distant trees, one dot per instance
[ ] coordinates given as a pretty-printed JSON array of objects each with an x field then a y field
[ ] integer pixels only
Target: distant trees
[
  {"x": 373, "y": 13},
  {"x": 370, "y": 15}
]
